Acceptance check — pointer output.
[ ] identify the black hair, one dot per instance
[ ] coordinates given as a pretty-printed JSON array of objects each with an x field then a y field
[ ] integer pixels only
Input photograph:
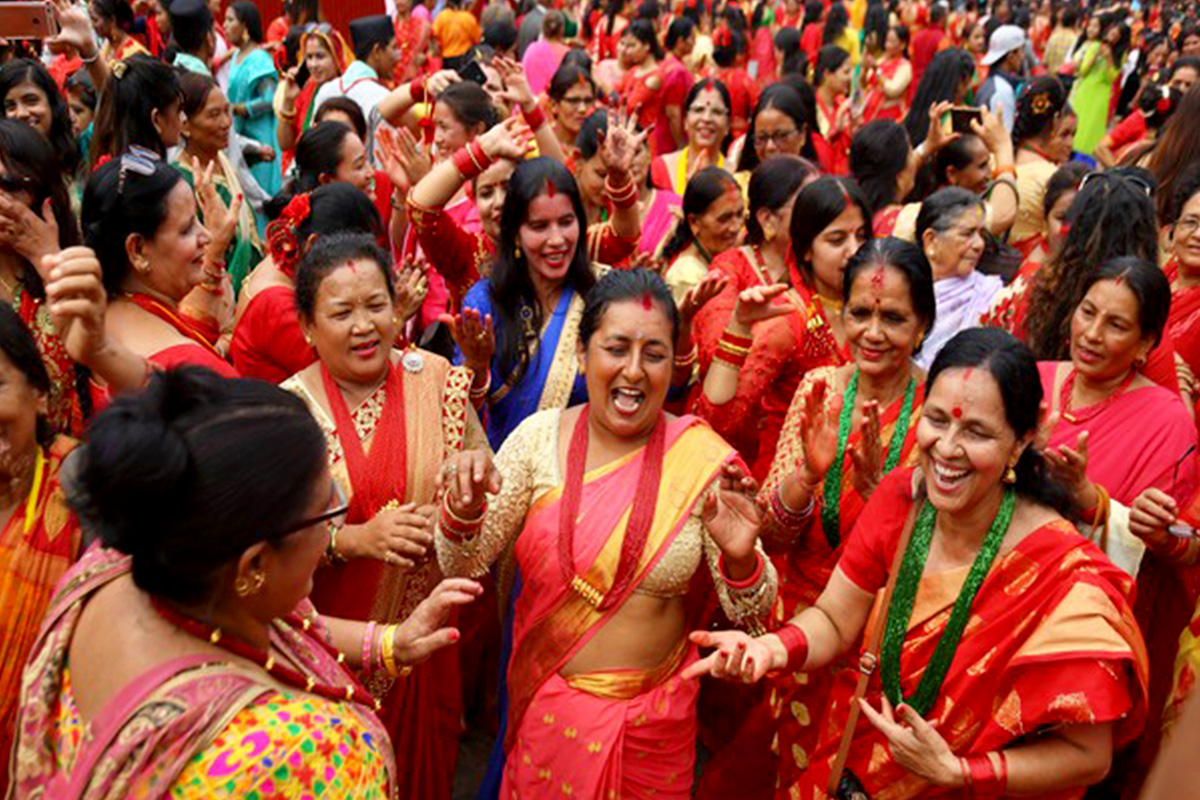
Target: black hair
[
  {"x": 782, "y": 98},
  {"x": 649, "y": 10},
  {"x": 907, "y": 259},
  {"x": 941, "y": 81},
  {"x": 27, "y": 156},
  {"x": 813, "y": 9},
  {"x": 117, "y": 206},
  {"x": 1190, "y": 62},
  {"x": 578, "y": 57},
  {"x": 124, "y": 116},
  {"x": 725, "y": 54},
  {"x": 1014, "y": 368},
  {"x": 680, "y": 28},
  {"x": 327, "y": 254},
  {"x": 937, "y": 13},
  {"x": 1065, "y": 179},
  {"x": 247, "y": 14},
  {"x": 772, "y": 184},
  {"x": 119, "y": 11},
  {"x": 511, "y": 288},
  {"x": 643, "y": 31},
  {"x": 1070, "y": 15},
  {"x": 1038, "y": 108},
  {"x": 567, "y": 76},
  {"x": 620, "y": 285},
  {"x": 817, "y": 205},
  {"x": 195, "y": 89},
  {"x": 500, "y": 34},
  {"x": 553, "y": 24},
  {"x": 958, "y": 154},
  {"x": 829, "y": 59},
  {"x": 879, "y": 152},
  {"x": 1149, "y": 285},
  {"x": 333, "y": 208},
  {"x": 190, "y": 38},
  {"x": 470, "y": 105},
  {"x": 18, "y": 346},
  {"x": 942, "y": 208},
  {"x": 808, "y": 98},
  {"x": 794, "y": 60},
  {"x": 836, "y": 21},
  {"x": 588, "y": 140},
  {"x": 171, "y": 476},
  {"x": 723, "y": 91},
  {"x": 62, "y": 135},
  {"x": 348, "y": 107},
  {"x": 80, "y": 81},
  {"x": 1158, "y": 102},
  {"x": 702, "y": 191},
  {"x": 875, "y": 26},
  {"x": 319, "y": 152}
]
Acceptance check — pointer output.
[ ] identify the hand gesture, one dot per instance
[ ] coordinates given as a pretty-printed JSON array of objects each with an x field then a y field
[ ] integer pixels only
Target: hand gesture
[
  {"x": 74, "y": 27},
  {"x": 436, "y": 83},
  {"x": 412, "y": 285},
  {"x": 291, "y": 87},
  {"x": 404, "y": 160},
  {"x": 422, "y": 633},
  {"x": 266, "y": 153},
  {"x": 737, "y": 657},
  {"x": 220, "y": 220},
  {"x": 1069, "y": 466},
  {"x": 867, "y": 454},
  {"x": 732, "y": 515},
  {"x": 915, "y": 744},
  {"x": 1152, "y": 513},
  {"x": 31, "y": 235},
  {"x": 400, "y": 536},
  {"x": 756, "y": 304},
  {"x": 938, "y": 137},
  {"x": 516, "y": 85},
  {"x": 711, "y": 285},
  {"x": 644, "y": 260},
  {"x": 510, "y": 139},
  {"x": 991, "y": 130},
  {"x": 818, "y": 433},
  {"x": 620, "y": 144},
  {"x": 76, "y": 300},
  {"x": 475, "y": 337},
  {"x": 467, "y": 478}
]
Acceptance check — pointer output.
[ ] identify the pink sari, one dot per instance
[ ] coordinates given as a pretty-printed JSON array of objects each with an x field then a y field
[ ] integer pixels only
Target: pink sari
[
  {"x": 660, "y": 220},
  {"x": 622, "y": 732},
  {"x": 149, "y": 732}
]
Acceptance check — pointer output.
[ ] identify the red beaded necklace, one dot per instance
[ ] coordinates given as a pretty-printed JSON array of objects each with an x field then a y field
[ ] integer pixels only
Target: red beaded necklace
[
  {"x": 353, "y": 691},
  {"x": 1064, "y": 398}
]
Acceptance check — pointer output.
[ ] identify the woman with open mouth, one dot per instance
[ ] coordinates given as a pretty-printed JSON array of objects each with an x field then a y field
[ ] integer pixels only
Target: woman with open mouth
[
  {"x": 975, "y": 534},
  {"x": 627, "y": 522}
]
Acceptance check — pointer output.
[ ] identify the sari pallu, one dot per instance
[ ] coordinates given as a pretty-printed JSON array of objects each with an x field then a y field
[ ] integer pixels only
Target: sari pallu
[
  {"x": 154, "y": 729},
  {"x": 582, "y": 735},
  {"x": 66, "y": 412},
  {"x": 1051, "y": 641},
  {"x": 423, "y": 711}
]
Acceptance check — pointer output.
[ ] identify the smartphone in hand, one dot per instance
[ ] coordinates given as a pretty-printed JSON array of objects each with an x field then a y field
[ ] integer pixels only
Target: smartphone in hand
[{"x": 27, "y": 20}]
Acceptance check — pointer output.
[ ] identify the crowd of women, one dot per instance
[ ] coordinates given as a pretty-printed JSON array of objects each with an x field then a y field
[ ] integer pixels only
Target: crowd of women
[{"x": 716, "y": 399}]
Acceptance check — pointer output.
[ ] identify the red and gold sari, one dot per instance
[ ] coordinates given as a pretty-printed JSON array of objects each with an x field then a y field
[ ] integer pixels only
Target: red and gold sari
[
  {"x": 1052, "y": 641},
  {"x": 878, "y": 105},
  {"x": 66, "y": 406},
  {"x": 402, "y": 432},
  {"x": 1183, "y": 325}
]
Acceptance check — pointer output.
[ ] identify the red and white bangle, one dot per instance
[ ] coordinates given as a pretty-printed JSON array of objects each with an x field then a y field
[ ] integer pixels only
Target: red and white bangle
[
  {"x": 745, "y": 583},
  {"x": 622, "y": 196},
  {"x": 796, "y": 645},
  {"x": 455, "y": 527},
  {"x": 470, "y": 160},
  {"x": 535, "y": 117}
]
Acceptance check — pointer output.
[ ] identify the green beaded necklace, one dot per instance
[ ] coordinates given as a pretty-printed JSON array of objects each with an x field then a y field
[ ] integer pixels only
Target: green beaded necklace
[
  {"x": 833, "y": 480},
  {"x": 905, "y": 593}
]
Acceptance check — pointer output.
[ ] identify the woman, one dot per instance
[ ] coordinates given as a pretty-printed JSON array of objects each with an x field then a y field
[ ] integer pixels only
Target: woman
[
  {"x": 596, "y": 166},
  {"x": 1119, "y": 434},
  {"x": 832, "y": 75},
  {"x": 980, "y": 504},
  {"x": 1176, "y": 149},
  {"x": 728, "y": 54},
  {"x": 543, "y": 57},
  {"x": 658, "y": 209},
  {"x": 884, "y": 163},
  {"x": 952, "y": 230},
  {"x": 753, "y": 359},
  {"x": 267, "y": 341},
  {"x": 1183, "y": 270},
  {"x": 207, "y": 566},
  {"x": 778, "y": 126},
  {"x": 139, "y": 107},
  {"x": 1040, "y": 109},
  {"x": 1060, "y": 192},
  {"x": 706, "y": 122},
  {"x": 1091, "y": 94},
  {"x": 41, "y": 539},
  {"x": 713, "y": 213},
  {"x": 831, "y": 458},
  {"x": 641, "y": 89},
  {"x": 594, "y": 675},
  {"x": 140, "y": 218},
  {"x": 30, "y": 95},
  {"x": 947, "y": 79},
  {"x": 412, "y": 40},
  {"x": 887, "y": 83},
  {"x": 252, "y": 84},
  {"x": 326, "y": 57},
  {"x": 207, "y": 122},
  {"x": 113, "y": 21},
  {"x": 572, "y": 97},
  {"x": 837, "y": 32},
  {"x": 389, "y": 419}
]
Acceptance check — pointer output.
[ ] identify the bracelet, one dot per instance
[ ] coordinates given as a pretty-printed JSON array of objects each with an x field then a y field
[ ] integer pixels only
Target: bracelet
[
  {"x": 482, "y": 392},
  {"x": 416, "y": 90},
  {"x": 535, "y": 118},
  {"x": 388, "y": 653},
  {"x": 455, "y": 527},
  {"x": 732, "y": 349},
  {"x": 733, "y": 362},
  {"x": 623, "y": 196},
  {"x": 368, "y": 648},
  {"x": 786, "y": 516},
  {"x": 982, "y": 780},
  {"x": 89, "y": 61},
  {"x": 1009, "y": 168},
  {"x": 288, "y": 115},
  {"x": 745, "y": 583},
  {"x": 737, "y": 340},
  {"x": 688, "y": 360},
  {"x": 471, "y": 160},
  {"x": 796, "y": 645},
  {"x": 1099, "y": 514},
  {"x": 1002, "y": 774},
  {"x": 331, "y": 551}
]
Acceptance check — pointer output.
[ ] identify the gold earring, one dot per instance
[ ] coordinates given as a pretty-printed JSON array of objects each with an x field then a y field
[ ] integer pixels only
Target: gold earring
[
  {"x": 1010, "y": 475},
  {"x": 244, "y": 587},
  {"x": 142, "y": 266},
  {"x": 516, "y": 252}
]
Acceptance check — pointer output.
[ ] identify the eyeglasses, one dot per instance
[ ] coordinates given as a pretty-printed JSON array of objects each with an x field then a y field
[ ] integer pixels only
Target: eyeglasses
[
  {"x": 1183, "y": 228},
  {"x": 578, "y": 102},
  {"x": 1133, "y": 180},
  {"x": 778, "y": 137},
  {"x": 139, "y": 161},
  {"x": 335, "y": 514}
]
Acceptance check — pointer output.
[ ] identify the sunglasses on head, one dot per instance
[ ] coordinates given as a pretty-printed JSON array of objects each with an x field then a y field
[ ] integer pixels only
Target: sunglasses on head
[{"x": 139, "y": 161}]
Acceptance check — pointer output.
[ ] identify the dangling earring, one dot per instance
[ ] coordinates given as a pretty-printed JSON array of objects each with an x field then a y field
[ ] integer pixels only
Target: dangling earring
[
  {"x": 1010, "y": 475},
  {"x": 245, "y": 587},
  {"x": 516, "y": 252}
]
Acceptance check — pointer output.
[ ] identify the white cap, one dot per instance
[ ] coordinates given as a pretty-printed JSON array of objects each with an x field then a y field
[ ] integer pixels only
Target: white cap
[{"x": 1004, "y": 40}]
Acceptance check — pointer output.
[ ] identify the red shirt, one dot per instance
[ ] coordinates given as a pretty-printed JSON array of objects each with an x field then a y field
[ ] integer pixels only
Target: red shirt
[
  {"x": 1130, "y": 130},
  {"x": 925, "y": 45}
]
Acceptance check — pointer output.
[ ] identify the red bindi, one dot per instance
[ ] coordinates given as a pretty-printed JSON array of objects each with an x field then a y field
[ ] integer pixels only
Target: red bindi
[
  {"x": 877, "y": 277},
  {"x": 1120, "y": 279},
  {"x": 957, "y": 412},
  {"x": 551, "y": 189},
  {"x": 647, "y": 301}
]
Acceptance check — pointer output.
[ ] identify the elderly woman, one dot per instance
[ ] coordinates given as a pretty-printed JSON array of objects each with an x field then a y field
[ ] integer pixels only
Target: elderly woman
[
  {"x": 207, "y": 567},
  {"x": 975, "y": 533},
  {"x": 389, "y": 418},
  {"x": 596, "y": 694}
]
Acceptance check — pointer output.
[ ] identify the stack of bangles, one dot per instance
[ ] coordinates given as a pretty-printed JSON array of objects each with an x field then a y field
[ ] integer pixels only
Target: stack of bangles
[
  {"x": 455, "y": 527},
  {"x": 534, "y": 117},
  {"x": 478, "y": 395},
  {"x": 783, "y": 513},
  {"x": 981, "y": 778},
  {"x": 471, "y": 160},
  {"x": 622, "y": 196},
  {"x": 688, "y": 360},
  {"x": 381, "y": 640},
  {"x": 732, "y": 349},
  {"x": 1176, "y": 549},
  {"x": 796, "y": 645}
]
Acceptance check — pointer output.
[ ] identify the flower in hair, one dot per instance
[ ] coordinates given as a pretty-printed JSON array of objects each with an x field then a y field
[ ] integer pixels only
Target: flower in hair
[
  {"x": 101, "y": 161},
  {"x": 1163, "y": 106},
  {"x": 1040, "y": 103},
  {"x": 118, "y": 69},
  {"x": 281, "y": 233}
]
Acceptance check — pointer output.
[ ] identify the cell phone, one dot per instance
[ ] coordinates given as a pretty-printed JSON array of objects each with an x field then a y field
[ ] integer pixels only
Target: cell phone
[
  {"x": 962, "y": 116},
  {"x": 471, "y": 71},
  {"x": 27, "y": 20}
]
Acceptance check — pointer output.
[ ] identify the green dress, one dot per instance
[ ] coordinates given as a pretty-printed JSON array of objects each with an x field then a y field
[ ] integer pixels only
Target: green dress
[{"x": 1091, "y": 97}]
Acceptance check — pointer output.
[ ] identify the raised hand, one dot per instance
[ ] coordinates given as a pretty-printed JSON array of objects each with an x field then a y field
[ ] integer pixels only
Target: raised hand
[
  {"x": 937, "y": 138},
  {"x": 732, "y": 515},
  {"x": 757, "y": 304},
  {"x": 915, "y": 744},
  {"x": 412, "y": 285},
  {"x": 620, "y": 144},
  {"x": 991, "y": 130},
  {"x": 711, "y": 285},
  {"x": 516, "y": 85},
  {"x": 74, "y": 28},
  {"x": 423, "y": 633},
  {"x": 737, "y": 656},
  {"x": 436, "y": 83},
  {"x": 1069, "y": 466},
  {"x": 818, "y": 433},
  {"x": 475, "y": 337},
  {"x": 510, "y": 139},
  {"x": 220, "y": 220},
  {"x": 867, "y": 454},
  {"x": 291, "y": 87},
  {"x": 31, "y": 235},
  {"x": 76, "y": 300},
  {"x": 404, "y": 160},
  {"x": 467, "y": 478}
]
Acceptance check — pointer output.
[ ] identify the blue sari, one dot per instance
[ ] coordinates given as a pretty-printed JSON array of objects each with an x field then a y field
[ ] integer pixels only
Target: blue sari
[{"x": 252, "y": 81}]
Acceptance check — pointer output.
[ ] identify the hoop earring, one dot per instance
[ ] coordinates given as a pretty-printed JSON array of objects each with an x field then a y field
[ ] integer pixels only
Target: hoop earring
[{"x": 244, "y": 587}]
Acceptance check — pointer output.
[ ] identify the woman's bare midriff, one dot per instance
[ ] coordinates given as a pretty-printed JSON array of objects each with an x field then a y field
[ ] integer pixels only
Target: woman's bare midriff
[{"x": 641, "y": 635}]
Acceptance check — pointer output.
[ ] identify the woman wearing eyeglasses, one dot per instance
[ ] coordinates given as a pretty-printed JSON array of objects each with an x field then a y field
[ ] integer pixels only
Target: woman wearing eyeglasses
[
  {"x": 572, "y": 96},
  {"x": 1183, "y": 270},
  {"x": 706, "y": 122},
  {"x": 778, "y": 126},
  {"x": 390, "y": 417},
  {"x": 184, "y": 655}
]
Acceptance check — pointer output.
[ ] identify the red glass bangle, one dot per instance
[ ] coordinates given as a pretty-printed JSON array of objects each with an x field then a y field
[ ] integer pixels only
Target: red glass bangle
[
  {"x": 416, "y": 90},
  {"x": 984, "y": 780},
  {"x": 465, "y": 165},
  {"x": 535, "y": 118},
  {"x": 736, "y": 340},
  {"x": 745, "y": 583},
  {"x": 796, "y": 645}
]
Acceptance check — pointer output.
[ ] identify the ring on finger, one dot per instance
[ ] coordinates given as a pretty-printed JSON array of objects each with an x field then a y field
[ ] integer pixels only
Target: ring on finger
[{"x": 450, "y": 469}]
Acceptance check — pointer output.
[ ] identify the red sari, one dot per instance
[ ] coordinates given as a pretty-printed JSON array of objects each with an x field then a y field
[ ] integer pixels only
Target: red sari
[
  {"x": 879, "y": 105},
  {"x": 743, "y": 97},
  {"x": 784, "y": 349},
  {"x": 1053, "y": 642},
  {"x": 66, "y": 408},
  {"x": 1183, "y": 324},
  {"x": 836, "y": 159},
  {"x": 646, "y": 102}
]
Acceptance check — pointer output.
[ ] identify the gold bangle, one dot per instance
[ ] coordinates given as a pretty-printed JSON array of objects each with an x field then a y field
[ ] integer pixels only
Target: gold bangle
[
  {"x": 733, "y": 349},
  {"x": 331, "y": 551},
  {"x": 388, "y": 653},
  {"x": 473, "y": 523}
]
